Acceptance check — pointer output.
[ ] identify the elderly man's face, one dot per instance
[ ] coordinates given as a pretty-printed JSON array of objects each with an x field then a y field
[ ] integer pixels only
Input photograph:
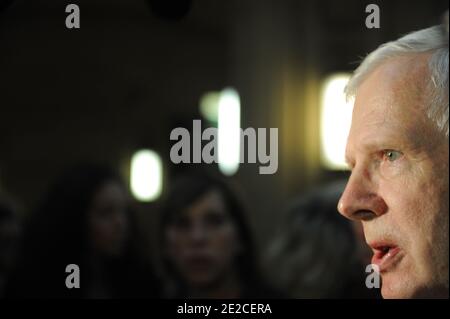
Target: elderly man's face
[{"x": 399, "y": 184}]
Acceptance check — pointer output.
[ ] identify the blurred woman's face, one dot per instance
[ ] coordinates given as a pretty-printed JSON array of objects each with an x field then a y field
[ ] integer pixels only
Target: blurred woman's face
[
  {"x": 202, "y": 241},
  {"x": 108, "y": 220}
]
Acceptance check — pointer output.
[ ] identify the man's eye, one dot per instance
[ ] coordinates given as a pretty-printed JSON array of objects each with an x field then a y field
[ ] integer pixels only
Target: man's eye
[{"x": 392, "y": 155}]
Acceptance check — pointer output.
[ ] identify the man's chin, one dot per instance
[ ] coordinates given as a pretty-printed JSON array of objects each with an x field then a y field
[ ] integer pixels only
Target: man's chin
[
  {"x": 396, "y": 286},
  {"x": 400, "y": 287},
  {"x": 387, "y": 293}
]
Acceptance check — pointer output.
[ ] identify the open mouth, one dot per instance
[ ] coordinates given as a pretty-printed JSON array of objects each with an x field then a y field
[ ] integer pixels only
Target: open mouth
[{"x": 385, "y": 255}]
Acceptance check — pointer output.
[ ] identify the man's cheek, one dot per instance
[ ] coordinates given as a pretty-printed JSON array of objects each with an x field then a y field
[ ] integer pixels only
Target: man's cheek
[
  {"x": 402, "y": 218},
  {"x": 416, "y": 228},
  {"x": 399, "y": 194}
]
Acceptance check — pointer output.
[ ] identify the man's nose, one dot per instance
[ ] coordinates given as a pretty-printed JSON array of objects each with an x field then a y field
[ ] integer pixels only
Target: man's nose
[{"x": 360, "y": 200}]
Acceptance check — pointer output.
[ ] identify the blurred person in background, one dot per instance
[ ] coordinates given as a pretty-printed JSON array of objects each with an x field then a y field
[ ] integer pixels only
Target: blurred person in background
[
  {"x": 207, "y": 246},
  {"x": 316, "y": 253},
  {"x": 10, "y": 236},
  {"x": 84, "y": 220}
]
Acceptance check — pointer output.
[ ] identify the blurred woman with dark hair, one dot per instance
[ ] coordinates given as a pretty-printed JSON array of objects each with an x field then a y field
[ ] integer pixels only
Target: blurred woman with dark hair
[
  {"x": 85, "y": 220},
  {"x": 207, "y": 246}
]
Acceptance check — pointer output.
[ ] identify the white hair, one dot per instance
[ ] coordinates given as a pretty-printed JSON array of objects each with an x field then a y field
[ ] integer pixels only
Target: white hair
[{"x": 433, "y": 40}]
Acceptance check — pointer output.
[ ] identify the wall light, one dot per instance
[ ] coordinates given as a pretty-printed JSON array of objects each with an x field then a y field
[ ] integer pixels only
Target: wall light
[
  {"x": 229, "y": 124},
  {"x": 146, "y": 175},
  {"x": 209, "y": 106},
  {"x": 336, "y": 115}
]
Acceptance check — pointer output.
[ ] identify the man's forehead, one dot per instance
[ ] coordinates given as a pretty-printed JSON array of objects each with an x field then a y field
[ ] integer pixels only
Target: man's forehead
[
  {"x": 396, "y": 84},
  {"x": 391, "y": 100}
]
